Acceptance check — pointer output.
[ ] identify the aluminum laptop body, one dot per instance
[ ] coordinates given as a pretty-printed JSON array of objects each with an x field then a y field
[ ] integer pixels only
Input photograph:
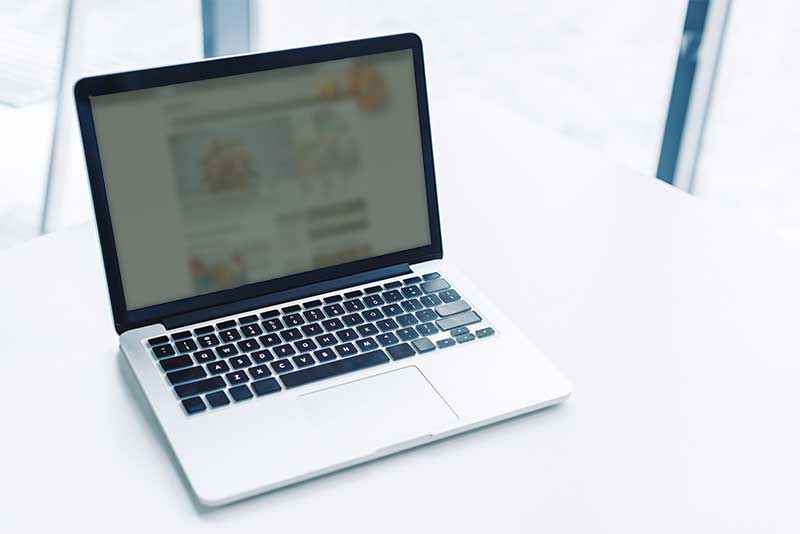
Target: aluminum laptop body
[{"x": 270, "y": 234}]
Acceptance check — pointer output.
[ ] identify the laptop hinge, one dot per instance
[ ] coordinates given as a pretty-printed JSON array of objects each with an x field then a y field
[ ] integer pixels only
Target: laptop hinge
[{"x": 309, "y": 290}]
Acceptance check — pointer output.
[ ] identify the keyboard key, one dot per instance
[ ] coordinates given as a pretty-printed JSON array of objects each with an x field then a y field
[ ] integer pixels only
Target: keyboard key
[
  {"x": 347, "y": 335},
  {"x": 305, "y": 345},
  {"x": 431, "y": 276},
  {"x": 411, "y": 305},
  {"x": 186, "y": 375},
  {"x": 446, "y": 342},
  {"x": 353, "y": 294},
  {"x": 373, "y": 315},
  {"x": 398, "y": 352},
  {"x": 170, "y": 364},
  {"x": 334, "y": 310},
  {"x": 407, "y": 334},
  {"x": 392, "y": 296},
  {"x": 387, "y": 325},
  {"x": 252, "y": 330},
  {"x": 449, "y": 296},
  {"x": 392, "y": 285},
  {"x": 293, "y": 320},
  {"x": 269, "y": 314},
  {"x": 237, "y": 377},
  {"x": 270, "y": 340},
  {"x": 463, "y": 338},
  {"x": 367, "y": 344},
  {"x": 372, "y": 289},
  {"x": 459, "y": 319},
  {"x": 354, "y": 305},
  {"x": 367, "y": 330},
  {"x": 204, "y": 356},
  {"x": 346, "y": 349},
  {"x": 247, "y": 319},
  {"x": 241, "y": 393},
  {"x": 485, "y": 332},
  {"x": 392, "y": 309},
  {"x": 352, "y": 319},
  {"x": 312, "y": 304},
  {"x": 461, "y": 330},
  {"x": 324, "y": 355},
  {"x": 272, "y": 325},
  {"x": 411, "y": 292},
  {"x": 162, "y": 351},
  {"x": 326, "y": 340},
  {"x": 332, "y": 324},
  {"x": 337, "y": 367},
  {"x": 292, "y": 334},
  {"x": 412, "y": 280},
  {"x": 387, "y": 339},
  {"x": 217, "y": 368},
  {"x": 432, "y": 286},
  {"x": 372, "y": 301},
  {"x": 407, "y": 320},
  {"x": 312, "y": 329},
  {"x": 426, "y": 315},
  {"x": 226, "y": 350},
  {"x": 240, "y": 362},
  {"x": 265, "y": 387},
  {"x": 261, "y": 356},
  {"x": 291, "y": 309},
  {"x": 259, "y": 371},
  {"x": 281, "y": 366},
  {"x": 427, "y": 329},
  {"x": 247, "y": 345},
  {"x": 228, "y": 336},
  {"x": 452, "y": 308},
  {"x": 193, "y": 405},
  {"x": 217, "y": 399},
  {"x": 314, "y": 315},
  {"x": 181, "y": 335},
  {"x": 333, "y": 298},
  {"x": 423, "y": 345},
  {"x": 187, "y": 345},
  {"x": 160, "y": 340},
  {"x": 430, "y": 301},
  {"x": 304, "y": 360},
  {"x": 226, "y": 324},
  {"x": 209, "y": 340},
  {"x": 282, "y": 351},
  {"x": 201, "y": 386},
  {"x": 203, "y": 330}
]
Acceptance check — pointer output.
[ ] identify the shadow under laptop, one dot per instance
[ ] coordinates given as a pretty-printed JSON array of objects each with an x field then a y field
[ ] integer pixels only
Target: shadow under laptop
[{"x": 134, "y": 391}]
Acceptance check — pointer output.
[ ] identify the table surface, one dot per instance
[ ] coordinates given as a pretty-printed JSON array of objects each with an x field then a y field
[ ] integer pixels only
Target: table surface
[{"x": 675, "y": 323}]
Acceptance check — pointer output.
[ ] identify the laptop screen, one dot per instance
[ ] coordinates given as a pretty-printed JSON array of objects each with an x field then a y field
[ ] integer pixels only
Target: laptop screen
[{"x": 218, "y": 183}]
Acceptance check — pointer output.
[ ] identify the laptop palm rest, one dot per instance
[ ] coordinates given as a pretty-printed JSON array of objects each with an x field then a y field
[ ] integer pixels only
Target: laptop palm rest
[{"x": 378, "y": 411}]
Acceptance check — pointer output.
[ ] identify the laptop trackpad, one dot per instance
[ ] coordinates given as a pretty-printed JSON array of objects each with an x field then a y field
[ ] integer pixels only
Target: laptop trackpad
[{"x": 378, "y": 411}]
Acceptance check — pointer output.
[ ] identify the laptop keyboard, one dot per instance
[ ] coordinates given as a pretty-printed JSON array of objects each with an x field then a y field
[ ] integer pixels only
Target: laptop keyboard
[{"x": 263, "y": 353}]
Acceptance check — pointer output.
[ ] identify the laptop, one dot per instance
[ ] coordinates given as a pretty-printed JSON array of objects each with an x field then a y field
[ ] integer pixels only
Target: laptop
[{"x": 271, "y": 240}]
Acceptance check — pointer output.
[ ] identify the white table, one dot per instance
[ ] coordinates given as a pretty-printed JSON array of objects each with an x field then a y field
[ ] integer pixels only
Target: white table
[{"x": 677, "y": 326}]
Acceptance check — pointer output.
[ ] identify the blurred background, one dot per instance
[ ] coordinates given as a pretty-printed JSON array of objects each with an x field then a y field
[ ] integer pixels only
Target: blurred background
[{"x": 698, "y": 92}]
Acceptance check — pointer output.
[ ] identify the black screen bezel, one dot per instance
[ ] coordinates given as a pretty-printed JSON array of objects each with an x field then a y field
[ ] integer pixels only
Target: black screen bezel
[{"x": 125, "y": 319}]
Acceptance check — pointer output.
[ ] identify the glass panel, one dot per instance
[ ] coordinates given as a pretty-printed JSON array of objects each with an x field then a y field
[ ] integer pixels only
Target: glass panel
[
  {"x": 108, "y": 35},
  {"x": 749, "y": 157},
  {"x": 30, "y": 37}
]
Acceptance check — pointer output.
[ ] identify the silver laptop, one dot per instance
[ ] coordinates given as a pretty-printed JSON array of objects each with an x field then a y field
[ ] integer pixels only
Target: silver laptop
[{"x": 271, "y": 241}]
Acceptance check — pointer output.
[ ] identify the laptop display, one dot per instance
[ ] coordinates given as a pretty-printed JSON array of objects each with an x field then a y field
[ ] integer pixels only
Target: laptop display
[{"x": 219, "y": 183}]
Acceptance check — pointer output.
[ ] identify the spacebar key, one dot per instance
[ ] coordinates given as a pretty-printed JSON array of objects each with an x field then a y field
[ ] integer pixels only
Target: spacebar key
[{"x": 338, "y": 367}]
